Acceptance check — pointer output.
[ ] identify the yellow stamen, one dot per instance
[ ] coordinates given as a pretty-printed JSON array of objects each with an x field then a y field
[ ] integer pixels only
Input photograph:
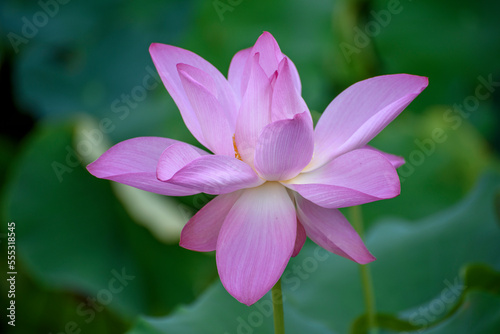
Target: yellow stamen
[{"x": 236, "y": 153}]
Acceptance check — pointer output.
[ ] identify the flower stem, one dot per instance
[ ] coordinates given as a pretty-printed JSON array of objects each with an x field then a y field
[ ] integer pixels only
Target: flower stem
[
  {"x": 366, "y": 277},
  {"x": 279, "y": 319}
]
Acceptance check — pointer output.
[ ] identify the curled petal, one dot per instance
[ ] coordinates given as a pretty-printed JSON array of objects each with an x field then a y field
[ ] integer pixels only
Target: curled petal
[
  {"x": 265, "y": 52},
  {"x": 284, "y": 148},
  {"x": 166, "y": 58},
  {"x": 270, "y": 58},
  {"x": 198, "y": 76},
  {"x": 212, "y": 174},
  {"x": 214, "y": 120},
  {"x": 270, "y": 53},
  {"x": 357, "y": 177},
  {"x": 202, "y": 230},
  {"x": 174, "y": 158},
  {"x": 133, "y": 162},
  {"x": 360, "y": 112},
  {"x": 329, "y": 229},
  {"x": 256, "y": 241}
]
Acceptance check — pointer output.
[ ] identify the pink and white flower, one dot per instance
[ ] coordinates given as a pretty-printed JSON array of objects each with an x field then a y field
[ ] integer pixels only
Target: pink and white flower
[{"x": 277, "y": 178}]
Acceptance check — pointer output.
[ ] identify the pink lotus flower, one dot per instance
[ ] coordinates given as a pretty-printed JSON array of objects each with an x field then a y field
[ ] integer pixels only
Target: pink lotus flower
[{"x": 277, "y": 178}]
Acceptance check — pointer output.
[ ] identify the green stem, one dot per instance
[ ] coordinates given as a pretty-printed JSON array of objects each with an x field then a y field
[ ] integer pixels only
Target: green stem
[
  {"x": 366, "y": 277},
  {"x": 279, "y": 319}
]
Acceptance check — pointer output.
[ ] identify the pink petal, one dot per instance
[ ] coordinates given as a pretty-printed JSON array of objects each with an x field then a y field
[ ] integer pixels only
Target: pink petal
[
  {"x": 239, "y": 74},
  {"x": 214, "y": 121},
  {"x": 270, "y": 57},
  {"x": 133, "y": 162},
  {"x": 300, "y": 240},
  {"x": 174, "y": 158},
  {"x": 286, "y": 101},
  {"x": 360, "y": 112},
  {"x": 202, "y": 230},
  {"x": 284, "y": 148},
  {"x": 211, "y": 174},
  {"x": 395, "y": 160},
  {"x": 256, "y": 241},
  {"x": 270, "y": 53},
  {"x": 254, "y": 112},
  {"x": 166, "y": 58},
  {"x": 329, "y": 229},
  {"x": 357, "y": 177}
]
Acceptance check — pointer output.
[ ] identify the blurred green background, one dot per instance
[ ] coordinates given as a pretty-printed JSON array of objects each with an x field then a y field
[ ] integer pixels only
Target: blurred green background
[{"x": 95, "y": 257}]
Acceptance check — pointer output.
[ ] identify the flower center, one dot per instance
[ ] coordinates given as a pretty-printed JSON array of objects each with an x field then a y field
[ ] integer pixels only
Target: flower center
[{"x": 236, "y": 153}]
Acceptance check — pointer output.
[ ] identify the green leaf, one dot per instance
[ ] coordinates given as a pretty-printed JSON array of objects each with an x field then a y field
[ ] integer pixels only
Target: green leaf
[
  {"x": 479, "y": 313},
  {"x": 475, "y": 277},
  {"x": 385, "y": 321},
  {"x": 481, "y": 276},
  {"x": 218, "y": 312}
]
